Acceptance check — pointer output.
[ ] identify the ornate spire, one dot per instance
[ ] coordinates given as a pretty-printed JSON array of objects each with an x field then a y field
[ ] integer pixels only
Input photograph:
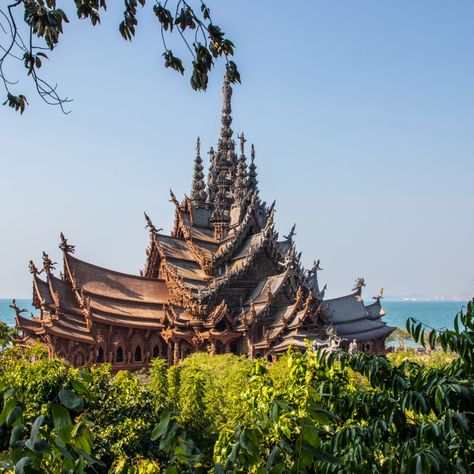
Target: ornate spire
[
  {"x": 241, "y": 179},
  {"x": 198, "y": 191},
  {"x": 223, "y": 167},
  {"x": 211, "y": 176},
  {"x": 252, "y": 181}
]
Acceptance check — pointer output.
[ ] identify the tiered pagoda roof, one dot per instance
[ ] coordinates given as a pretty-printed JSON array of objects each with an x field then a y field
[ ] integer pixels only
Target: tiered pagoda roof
[{"x": 223, "y": 281}]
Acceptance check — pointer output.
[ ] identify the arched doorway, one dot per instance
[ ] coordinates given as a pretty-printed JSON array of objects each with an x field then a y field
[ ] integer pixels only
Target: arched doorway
[
  {"x": 100, "y": 357},
  {"x": 138, "y": 354},
  {"x": 119, "y": 355}
]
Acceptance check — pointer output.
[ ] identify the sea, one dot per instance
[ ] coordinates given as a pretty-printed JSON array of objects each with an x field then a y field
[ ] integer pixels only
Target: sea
[{"x": 437, "y": 314}]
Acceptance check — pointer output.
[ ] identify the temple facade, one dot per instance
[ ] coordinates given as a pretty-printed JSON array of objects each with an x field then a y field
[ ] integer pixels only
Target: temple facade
[{"x": 222, "y": 282}]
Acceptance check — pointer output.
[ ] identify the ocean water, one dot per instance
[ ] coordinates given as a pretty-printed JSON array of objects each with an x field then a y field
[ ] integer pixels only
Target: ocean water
[{"x": 437, "y": 314}]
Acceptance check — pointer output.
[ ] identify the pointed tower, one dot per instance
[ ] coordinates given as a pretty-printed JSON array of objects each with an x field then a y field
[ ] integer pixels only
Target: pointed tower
[
  {"x": 211, "y": 176},
  {"x": 241, "y": 190},
  {"x": 224, "y": 165},
  {"x": 198, "y": 190},
  {"x": 223, "y": 169},
  {"x": 252, "y": 181}
]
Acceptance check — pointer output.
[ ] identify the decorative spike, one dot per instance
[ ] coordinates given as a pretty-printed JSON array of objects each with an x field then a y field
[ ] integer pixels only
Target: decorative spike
[
  {"x": 150, "y": 225},
  {"x": 198, "y": 191},
  {"x": 252, "y": 181},
  {"x": 240, "y": 190}
]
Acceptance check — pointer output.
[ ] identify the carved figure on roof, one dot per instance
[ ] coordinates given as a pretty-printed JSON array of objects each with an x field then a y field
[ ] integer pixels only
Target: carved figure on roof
[
  {"x": 48, "y": 264},
  {"x": 150, "y": 225},
  {"x": 289, "y": 237},
  {"x": 312, "y": 276},
  {"x": 379, "y": 295},
  {"x": 64, "y": 246},
  {"x": 32, "y": 268},
  {"x": 353, "y": 348},
  {"x": 359, "y": 284},
  {"x": 15, "y": 308}
]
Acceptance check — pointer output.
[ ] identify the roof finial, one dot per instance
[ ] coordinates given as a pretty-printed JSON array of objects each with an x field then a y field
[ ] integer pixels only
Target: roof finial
[
  {"x": 32, "y": 268},
  {"x": 242, "y": 139},
  {"x": 150, "y": 225},
  {"x": 241, "y": 179},
  {"x": 359, "y": 284},
  {"x": 48, "y": 264},
  {"x": 252, "y": 179},
  {"x": 64, "y": 246},
  {"x": 198, "y": 190}
]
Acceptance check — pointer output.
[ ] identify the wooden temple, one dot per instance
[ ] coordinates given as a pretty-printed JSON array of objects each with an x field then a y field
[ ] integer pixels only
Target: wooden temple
[{"x": 222, "y": 282}]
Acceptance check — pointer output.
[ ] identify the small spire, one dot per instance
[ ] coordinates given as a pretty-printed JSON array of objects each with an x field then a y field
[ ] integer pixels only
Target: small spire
[
  {"x": 198, "y": 191},
  {"x": 211, "y": 175},
  {"x": 252, "y": 181},
  {"x": 241, "y": 178}
]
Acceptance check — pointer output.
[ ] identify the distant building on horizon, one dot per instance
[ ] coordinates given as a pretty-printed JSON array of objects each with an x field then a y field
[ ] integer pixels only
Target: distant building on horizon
[{"x": 222, "y": 282}]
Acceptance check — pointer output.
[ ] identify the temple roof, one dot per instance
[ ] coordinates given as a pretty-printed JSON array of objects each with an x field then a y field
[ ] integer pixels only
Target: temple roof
[
  {"x": 345, "y": 308},
  {"x": 352, "y": 320},
  {"x": 375, "y": 310},
  {"x": 115, "y": 285},
  {"x": 222, "y": 260}
]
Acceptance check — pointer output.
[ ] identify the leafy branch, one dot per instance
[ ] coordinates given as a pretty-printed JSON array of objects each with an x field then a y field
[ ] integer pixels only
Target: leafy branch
[{"x": 28, "y": 28}]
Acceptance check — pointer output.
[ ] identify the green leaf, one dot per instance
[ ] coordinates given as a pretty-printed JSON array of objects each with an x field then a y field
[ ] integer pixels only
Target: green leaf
[
  {"x": 170, "y": 438},
  {"x": 13, "y": 415},
  {"x": 162, "y": 427},
  {"x": 21, "y": 464},
  {"x": 70, "y": 400},
  {"x": 90, "y": 459},
  {"x": 218, "y": 468},
  {"x": 36, "y": 427},
  {"x": 462, "y": 420},
  {"x": 321, "y": 455},
  {"x": 9, "y": 404},
  {"x": 61, "y": 418},
  {"x": 16, "y": 435}
]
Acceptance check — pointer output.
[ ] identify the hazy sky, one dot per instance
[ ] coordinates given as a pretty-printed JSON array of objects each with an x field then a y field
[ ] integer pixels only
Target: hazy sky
[{"x": 362, "y": 115}]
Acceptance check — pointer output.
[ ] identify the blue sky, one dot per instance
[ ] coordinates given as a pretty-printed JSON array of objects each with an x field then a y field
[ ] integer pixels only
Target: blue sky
[{"x": 362, "y": 115}]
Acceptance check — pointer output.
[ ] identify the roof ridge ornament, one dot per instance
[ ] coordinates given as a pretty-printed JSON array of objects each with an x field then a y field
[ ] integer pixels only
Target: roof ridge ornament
[
  {"x": 64, "y": 246},
  {"x": 379, "y": 296},
  {"x": 32, "y": 267},
  {"x": 359, "y": 284},
  {"x": 48, "y": 264},
  {"x": 151, "y": 226},
  {"x": 289, "y": 237}
]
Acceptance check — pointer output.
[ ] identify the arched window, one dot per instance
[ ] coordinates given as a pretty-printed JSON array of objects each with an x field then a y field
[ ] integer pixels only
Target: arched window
[
  {"x": 100, "y": 355},
  {"x": 119, "y": 355},
  {"x": 156, "y": 352},
  {"x": 138, "y": 354}
]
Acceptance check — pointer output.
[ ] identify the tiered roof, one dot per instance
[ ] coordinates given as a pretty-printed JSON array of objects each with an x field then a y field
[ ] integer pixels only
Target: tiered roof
[{"x": 222, "y": 274}]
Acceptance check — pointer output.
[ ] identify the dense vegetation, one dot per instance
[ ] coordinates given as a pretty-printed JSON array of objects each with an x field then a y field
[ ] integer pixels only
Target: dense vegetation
[{"x": 315, "y": 412}]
